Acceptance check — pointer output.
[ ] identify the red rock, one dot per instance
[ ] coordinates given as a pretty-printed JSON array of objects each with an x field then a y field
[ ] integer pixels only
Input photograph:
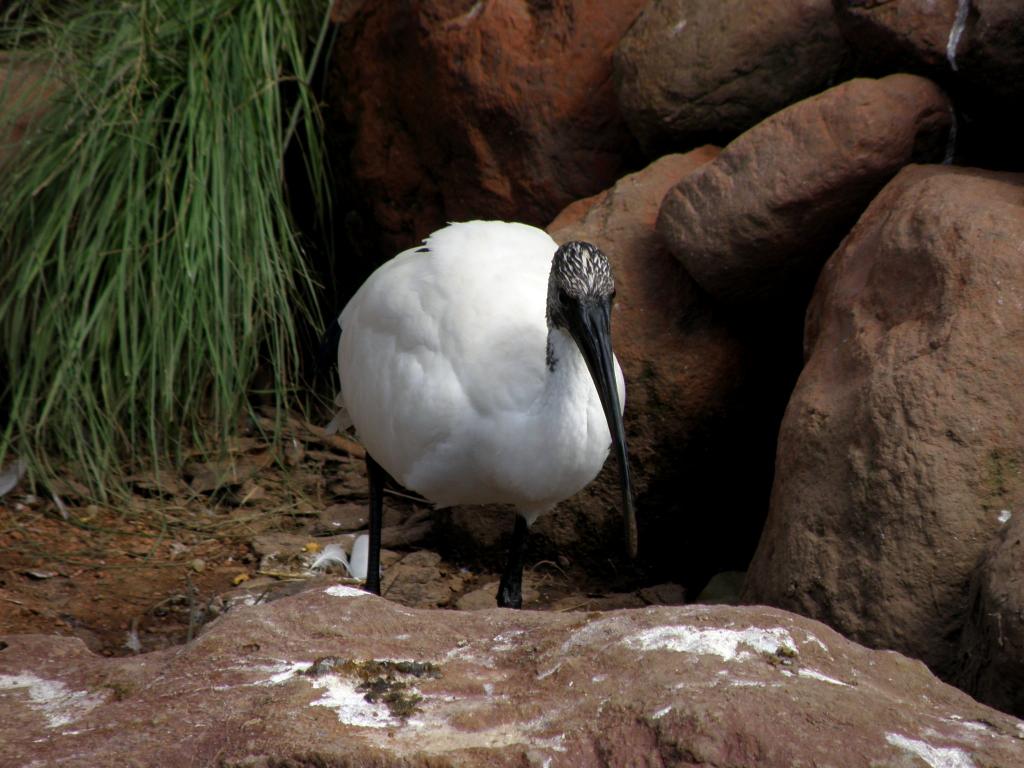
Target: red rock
[
  {"x": 987, "y": 54},
  {"x": 904, "y": 438},
  {"x": 904, "y": 33},
  {"x": 462, "y": 110},
  {"x": 991, "y": 658},
  {"x": 689, "y": 70},
  {"x": 759, "y": 221},
  {"x": 278, "y": 684},
  {"x": 980, "y": 62}
]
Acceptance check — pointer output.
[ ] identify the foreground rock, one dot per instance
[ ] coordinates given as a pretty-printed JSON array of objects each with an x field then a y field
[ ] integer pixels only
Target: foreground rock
[
  {"x": 335, "y": 677},
  {"x": 461, "y": 110},
  {"x": 903, "y": 441},
  {"x": 992, "y": 646},
  {"x": 759, "y": 221},
  {"x": 692, "y": 70}
]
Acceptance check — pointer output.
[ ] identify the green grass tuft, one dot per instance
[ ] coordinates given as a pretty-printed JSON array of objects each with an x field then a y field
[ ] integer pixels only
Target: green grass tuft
[{"x": 148, "y": 261}]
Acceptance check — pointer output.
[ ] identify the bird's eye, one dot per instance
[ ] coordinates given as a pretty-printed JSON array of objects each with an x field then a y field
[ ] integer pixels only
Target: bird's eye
[{"x": 563, "y": 296}]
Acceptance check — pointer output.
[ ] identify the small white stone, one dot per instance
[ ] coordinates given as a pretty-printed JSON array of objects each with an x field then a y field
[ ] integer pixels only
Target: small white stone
[{"x": 1004, "y": 516}]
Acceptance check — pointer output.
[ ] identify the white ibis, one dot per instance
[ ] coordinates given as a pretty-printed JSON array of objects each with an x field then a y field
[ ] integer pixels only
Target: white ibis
[{"x": 478, "y": 369}]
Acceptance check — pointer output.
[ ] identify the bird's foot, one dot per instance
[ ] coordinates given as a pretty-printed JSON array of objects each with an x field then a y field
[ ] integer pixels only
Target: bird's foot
[
  {"x": 372, "y": 586},
  {"x": 510, "y": 595}
]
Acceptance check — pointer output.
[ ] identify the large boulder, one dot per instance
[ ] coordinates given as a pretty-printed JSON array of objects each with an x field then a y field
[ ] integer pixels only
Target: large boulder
[
  {"x": 335, "y": 677},
  {"x": 904, "y": 439},
  {"x": 459, "y": 110},
  {"x": 992, "y": 646},
  {"x": 758, "y": 222},
  {"x": 690, "y": 70}
]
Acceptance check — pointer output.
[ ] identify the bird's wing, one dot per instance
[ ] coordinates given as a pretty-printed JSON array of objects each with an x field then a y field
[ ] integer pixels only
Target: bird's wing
[{"x": 439, "y": 340}]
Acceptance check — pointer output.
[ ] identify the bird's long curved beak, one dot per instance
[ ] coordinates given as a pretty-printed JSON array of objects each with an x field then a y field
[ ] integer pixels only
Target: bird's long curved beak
[{"x": 590, "y": 325}]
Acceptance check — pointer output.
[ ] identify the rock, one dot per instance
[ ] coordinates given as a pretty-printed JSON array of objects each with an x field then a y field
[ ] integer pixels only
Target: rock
[
  {"x": 907, "y": 35},
  {"x": 973, "y": 48},
  {"x": 336, "y": 677},
  {"x": 986, "y": 51},
  {"x": 723, "y": 588},
  {"x": 690, "y": 71},
  {"x": 416, "y": 581},
  {"x": 990, "y": 54},
  {"x": 462, "y": 110},
  {"x": 210, "y": 476},
  {"x": 663, "y": 594},
  {"x": 904, "y": 438},
  {"x": 756, "y": 224},
  {"x": 344, "y": 518},
  {"x": 610, "y": 602},
  {"x": 992, "y": 646},
  {"x": 697, "y": 413}
]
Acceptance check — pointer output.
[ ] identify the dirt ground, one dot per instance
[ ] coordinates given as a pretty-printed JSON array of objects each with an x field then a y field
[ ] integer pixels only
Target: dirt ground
[{"x": 150, "y": 570}]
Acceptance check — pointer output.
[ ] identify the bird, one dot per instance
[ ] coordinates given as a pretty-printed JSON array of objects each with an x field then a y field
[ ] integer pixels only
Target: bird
[{"x": 478, "y": 369}]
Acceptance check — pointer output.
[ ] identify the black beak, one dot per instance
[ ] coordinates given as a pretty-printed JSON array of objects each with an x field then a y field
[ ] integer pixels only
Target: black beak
[{"x": 590, "y": 324}]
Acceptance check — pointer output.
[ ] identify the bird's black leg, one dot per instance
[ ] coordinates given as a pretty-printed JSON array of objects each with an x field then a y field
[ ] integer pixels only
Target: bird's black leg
[
  {"x": 510, "y": 591},
  {"x": 375, "y": 475}
]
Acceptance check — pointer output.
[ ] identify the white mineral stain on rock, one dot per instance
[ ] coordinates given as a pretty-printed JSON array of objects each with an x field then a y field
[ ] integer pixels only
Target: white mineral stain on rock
[
  {"x": 816, "y": 675},
  {"x": 506, "y": 641},
  {"x": 343, "y": 590},
  {"x": 813, "y": 639},
  {"x": 58, "y": 704},
  {"x": 725, "y": 643},
  {"x": 350, "y": 705},
  {"x": 738, "y": 683},
  {"x": 970, "y": 725},
  {"x": 283, "y": 671},
  {"x": 935, "y": 757}
]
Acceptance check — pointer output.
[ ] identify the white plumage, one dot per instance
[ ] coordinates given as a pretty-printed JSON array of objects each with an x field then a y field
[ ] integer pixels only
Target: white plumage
[{"x": 457, "y": 384}]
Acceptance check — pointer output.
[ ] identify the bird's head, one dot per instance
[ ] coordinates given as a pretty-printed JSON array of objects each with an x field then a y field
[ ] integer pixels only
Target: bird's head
[
  {"x": 581, "y": 290},
  {"x": 580, "y": 273}
]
